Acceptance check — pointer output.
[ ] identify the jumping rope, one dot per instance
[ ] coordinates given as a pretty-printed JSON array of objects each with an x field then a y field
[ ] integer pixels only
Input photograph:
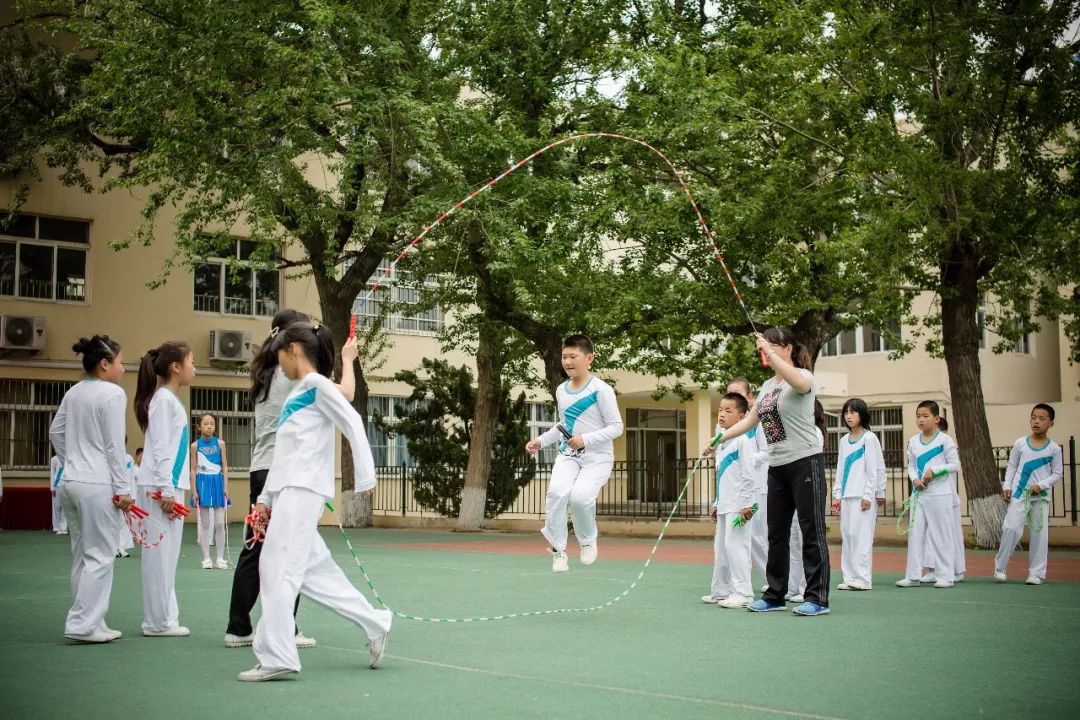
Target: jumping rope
[
  {"x": 912, "y": 504},
  {"x": 1033, "y": 512},
  {"x": 702, "y": 224}
]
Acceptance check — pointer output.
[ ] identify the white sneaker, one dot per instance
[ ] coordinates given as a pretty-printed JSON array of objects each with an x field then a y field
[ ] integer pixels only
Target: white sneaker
[
  {"x": 261, "y": 674},
  {"x": 765, "y": 588},
  {"x": 122, "y": 553},
  {"x": 559, "y": 563},
  {"x": 303, "y": 641},
  {"x": 859, "y": 586},
  {"x": 944, "y": 584},
  {"x": 96, "y": 637},
  {"x": 178, "y": 631},
  {"x": 1034, "y": 580},
  {"x": 208, "y": 564},
  {"x": 377, "y": 647},
  {"x": 588, "y": 554},
  {"x": 843, "y": 586},
  {"x": 959, "y": 577},
  {"x": 798, "y": 598},
  {"x": 928, "y": 577},
  {"x": 221, "y": 565},
  {"x": 1000, "y": 576},
  {"x": 235, "y": 641},
  {"x": 712, "y": 599},
  {"x": 907, "y": 582},
  {"x": 113, "y": 634},
  {"x": 61, "y": 532},
  {"x": 735, "y": 601}
]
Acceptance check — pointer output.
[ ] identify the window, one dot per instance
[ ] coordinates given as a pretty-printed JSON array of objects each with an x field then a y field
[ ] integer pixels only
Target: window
[
  {"x": 863, "y": 339},
  {"x": 387, "y": 450},
  {"x": 400, "y": 295},
  {"x": 44, "y": 258},
  {"x": 234, "y": 283},
  {"x": 541, "y": 419},
  {"x": 26, "y": 412},
  {"x": 980, "y": 320},
  {"x": 235, "y": 422},
  {"x": 1024, "y": 343}
]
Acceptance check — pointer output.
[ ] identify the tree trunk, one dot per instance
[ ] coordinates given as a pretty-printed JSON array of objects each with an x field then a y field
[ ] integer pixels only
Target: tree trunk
[
  {"x": 489, "y": 365},
  {"x": 813, "y": 329},
  {"x": 960, "y": 334},
  {"x": 355, "y": 510}
]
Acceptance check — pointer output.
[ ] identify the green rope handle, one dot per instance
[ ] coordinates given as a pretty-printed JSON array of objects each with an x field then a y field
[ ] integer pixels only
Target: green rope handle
[
  {"x": 910, "y": 504},
  {"x": 1033, "y": 514},
  {"x": 739, "y": 522},
  {"x": 528, "y": 613}
]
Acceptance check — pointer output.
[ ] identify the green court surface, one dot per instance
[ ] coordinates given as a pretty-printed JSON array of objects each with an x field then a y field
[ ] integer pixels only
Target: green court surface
[{"x": 978, "y": 650}]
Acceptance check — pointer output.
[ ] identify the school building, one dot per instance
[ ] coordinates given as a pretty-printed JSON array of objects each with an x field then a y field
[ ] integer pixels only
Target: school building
[{"x": 61, "y": 278}]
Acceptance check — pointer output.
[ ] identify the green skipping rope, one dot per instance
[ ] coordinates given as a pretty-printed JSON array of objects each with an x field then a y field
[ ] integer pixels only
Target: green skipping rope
[
  {"x": 529, "y": 613},
  {"x": 910, "y": 505}
]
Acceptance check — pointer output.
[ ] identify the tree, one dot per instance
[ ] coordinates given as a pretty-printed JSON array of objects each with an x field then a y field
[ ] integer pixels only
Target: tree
[
  {"x": 438, "y": 421},
  {"x": 226, "y": 110}
]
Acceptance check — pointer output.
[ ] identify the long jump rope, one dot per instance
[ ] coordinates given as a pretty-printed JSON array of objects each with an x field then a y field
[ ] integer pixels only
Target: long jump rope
[{"x": 388, "y": 270}]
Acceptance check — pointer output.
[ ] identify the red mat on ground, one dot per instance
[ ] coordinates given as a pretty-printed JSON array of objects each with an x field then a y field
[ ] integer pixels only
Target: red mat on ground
[{"x": 890, "y": 561}]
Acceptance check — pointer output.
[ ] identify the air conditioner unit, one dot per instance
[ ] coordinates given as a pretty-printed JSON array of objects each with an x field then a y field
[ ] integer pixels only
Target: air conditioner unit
[
  {"x": 22, "y": 332},
  {"x": 231, "y": 346}
]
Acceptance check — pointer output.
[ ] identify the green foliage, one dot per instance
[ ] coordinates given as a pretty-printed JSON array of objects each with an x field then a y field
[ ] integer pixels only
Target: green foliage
[{"x": 437, "y": 422}]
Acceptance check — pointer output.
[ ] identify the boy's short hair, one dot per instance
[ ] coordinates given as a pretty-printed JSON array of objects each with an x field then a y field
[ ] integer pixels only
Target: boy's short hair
[
  {"x": 739, "y": 400},
  {"x": 579, "y": 341},
  {"x": 1043, "y": 406}
]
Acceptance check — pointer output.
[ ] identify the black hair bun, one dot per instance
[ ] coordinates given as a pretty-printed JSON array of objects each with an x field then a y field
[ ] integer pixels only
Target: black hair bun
[{"x": 81, "y": 346}]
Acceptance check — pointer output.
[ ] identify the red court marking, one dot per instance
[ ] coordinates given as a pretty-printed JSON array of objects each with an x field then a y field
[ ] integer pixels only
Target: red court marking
[{"x": 890, "y": 561}]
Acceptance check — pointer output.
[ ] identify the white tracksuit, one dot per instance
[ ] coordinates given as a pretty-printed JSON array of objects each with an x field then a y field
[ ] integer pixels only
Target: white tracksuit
[
  {"x": 932, "y": 540},
  {"x": 759, "y": 526},
  {"x": 576, "y": 480},
  {"x": 736, "y": 473},
  {"x": 56, "y": 472},
  {"x": 165, "y": 468},
  {"x": 295, "y": 560},
  {"x": 859, "y": 470},
  {"x": 88, "y": 435},
  {"x": 1029, "y": 466},
  {"x": 124, "y": 541}
]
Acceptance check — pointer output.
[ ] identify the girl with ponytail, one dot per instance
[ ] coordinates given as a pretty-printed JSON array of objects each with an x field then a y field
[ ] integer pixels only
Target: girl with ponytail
[
  {"x": 786, "y": 409},
  {"x": 163, "y": 477},
  {"x": 87, "y": 434}
]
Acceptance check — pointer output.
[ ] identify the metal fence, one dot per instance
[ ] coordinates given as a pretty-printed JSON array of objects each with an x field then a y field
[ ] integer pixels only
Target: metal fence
[{"x": 648, "y": 489}]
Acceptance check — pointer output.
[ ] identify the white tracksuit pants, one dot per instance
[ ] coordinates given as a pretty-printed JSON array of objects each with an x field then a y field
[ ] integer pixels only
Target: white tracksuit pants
[
  {"x": 160, "y": 609},
  {"x": 575, "y": 482},
  {"x": 59, "y": 519},
  {"x": 796, "y": 574},
  {"x": 295, "y": 560},
  {"x": 959, "y": 559},
  {"x": 212, "y": 522},
  {"x": 759, "y": 534},
  {"x": 731, "y": 558},
  {"x": 92, "y": 520},
  {"x": 932, "y": 539},
  {"x": 1012, "y": 529},
  {"x": 857, "y": 534}
]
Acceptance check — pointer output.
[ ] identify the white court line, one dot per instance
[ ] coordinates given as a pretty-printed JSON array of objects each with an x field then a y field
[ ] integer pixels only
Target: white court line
[{"x": 603, "y": 688}]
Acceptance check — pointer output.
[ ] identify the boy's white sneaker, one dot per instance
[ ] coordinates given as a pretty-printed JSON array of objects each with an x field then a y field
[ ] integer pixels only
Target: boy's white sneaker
[
  {"x": 943, "y": 584},
  {"x": 735, "y": 601},
  {"x": 178, "y": 631},
  {"x": 928, "y": 577},
  {"x": 712, "y": 599},
  {"x": 959, "y": 577},
  {"x": 1034, "y": 580},
  {"x": 261, "y": 674},
  {"x": 559, "y": 563},
  {"x": 235, "y": 641},
  {"x": 907, "y": 583},
  {"x": 588, "y": 554},
  {"x": 95, "y": 637},
  {"x": 843, "y": 586},
  {"x": 798, "y": 598},
  {"x": 303, "y": 641},
  {"x": 377, "y": 647},
  {"x": 1000, "y": 576}
]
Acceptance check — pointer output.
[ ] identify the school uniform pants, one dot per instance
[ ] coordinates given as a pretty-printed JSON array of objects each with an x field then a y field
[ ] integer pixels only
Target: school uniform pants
[
  {"x": 575, "y": 483},
  {"x": 92, "y": 520},
  {"x": 1012, "y": 529},
  {"x": 857, "y": 535},
  {"x": 59, "y": 521},
  {"x": 245, "y": 583},
  {"x": 959, "y": 559},
  {"x": 731, "y": 558},
  {"x": 932, "y": 538},
  {"x": 160, "y": 609},
  {"x": 798, "y": 488},
  {"x": 295, "y": 560},
  {"x": 759, "y": 533}
]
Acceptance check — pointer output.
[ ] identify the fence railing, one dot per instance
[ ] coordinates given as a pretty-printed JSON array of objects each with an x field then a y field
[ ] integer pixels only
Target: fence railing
[{"x": 649, "y": 489}]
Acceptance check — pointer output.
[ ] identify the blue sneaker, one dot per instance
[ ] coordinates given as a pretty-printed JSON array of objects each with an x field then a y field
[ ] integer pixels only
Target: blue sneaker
[
  {"x": 810, "y": 609},
  {"x": 760, "y": 605}
]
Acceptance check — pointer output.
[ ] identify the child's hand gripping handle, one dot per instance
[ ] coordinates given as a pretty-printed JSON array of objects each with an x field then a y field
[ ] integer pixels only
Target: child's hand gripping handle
[{"x": 178, "y": 507}]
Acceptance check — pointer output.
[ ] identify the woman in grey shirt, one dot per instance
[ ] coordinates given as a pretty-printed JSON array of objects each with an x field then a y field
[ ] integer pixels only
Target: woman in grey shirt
[
  {"x": 269, "y": 390},
  {"x": 785, "y": 408}
]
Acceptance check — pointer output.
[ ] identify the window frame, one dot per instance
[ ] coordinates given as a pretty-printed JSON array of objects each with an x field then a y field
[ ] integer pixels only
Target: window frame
[
  {"x": 251, "y": 269},
  {"x": 390, "y": 290},
  {"x": 831, "y": 347},
  {"x": 55, "y": 246}
]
